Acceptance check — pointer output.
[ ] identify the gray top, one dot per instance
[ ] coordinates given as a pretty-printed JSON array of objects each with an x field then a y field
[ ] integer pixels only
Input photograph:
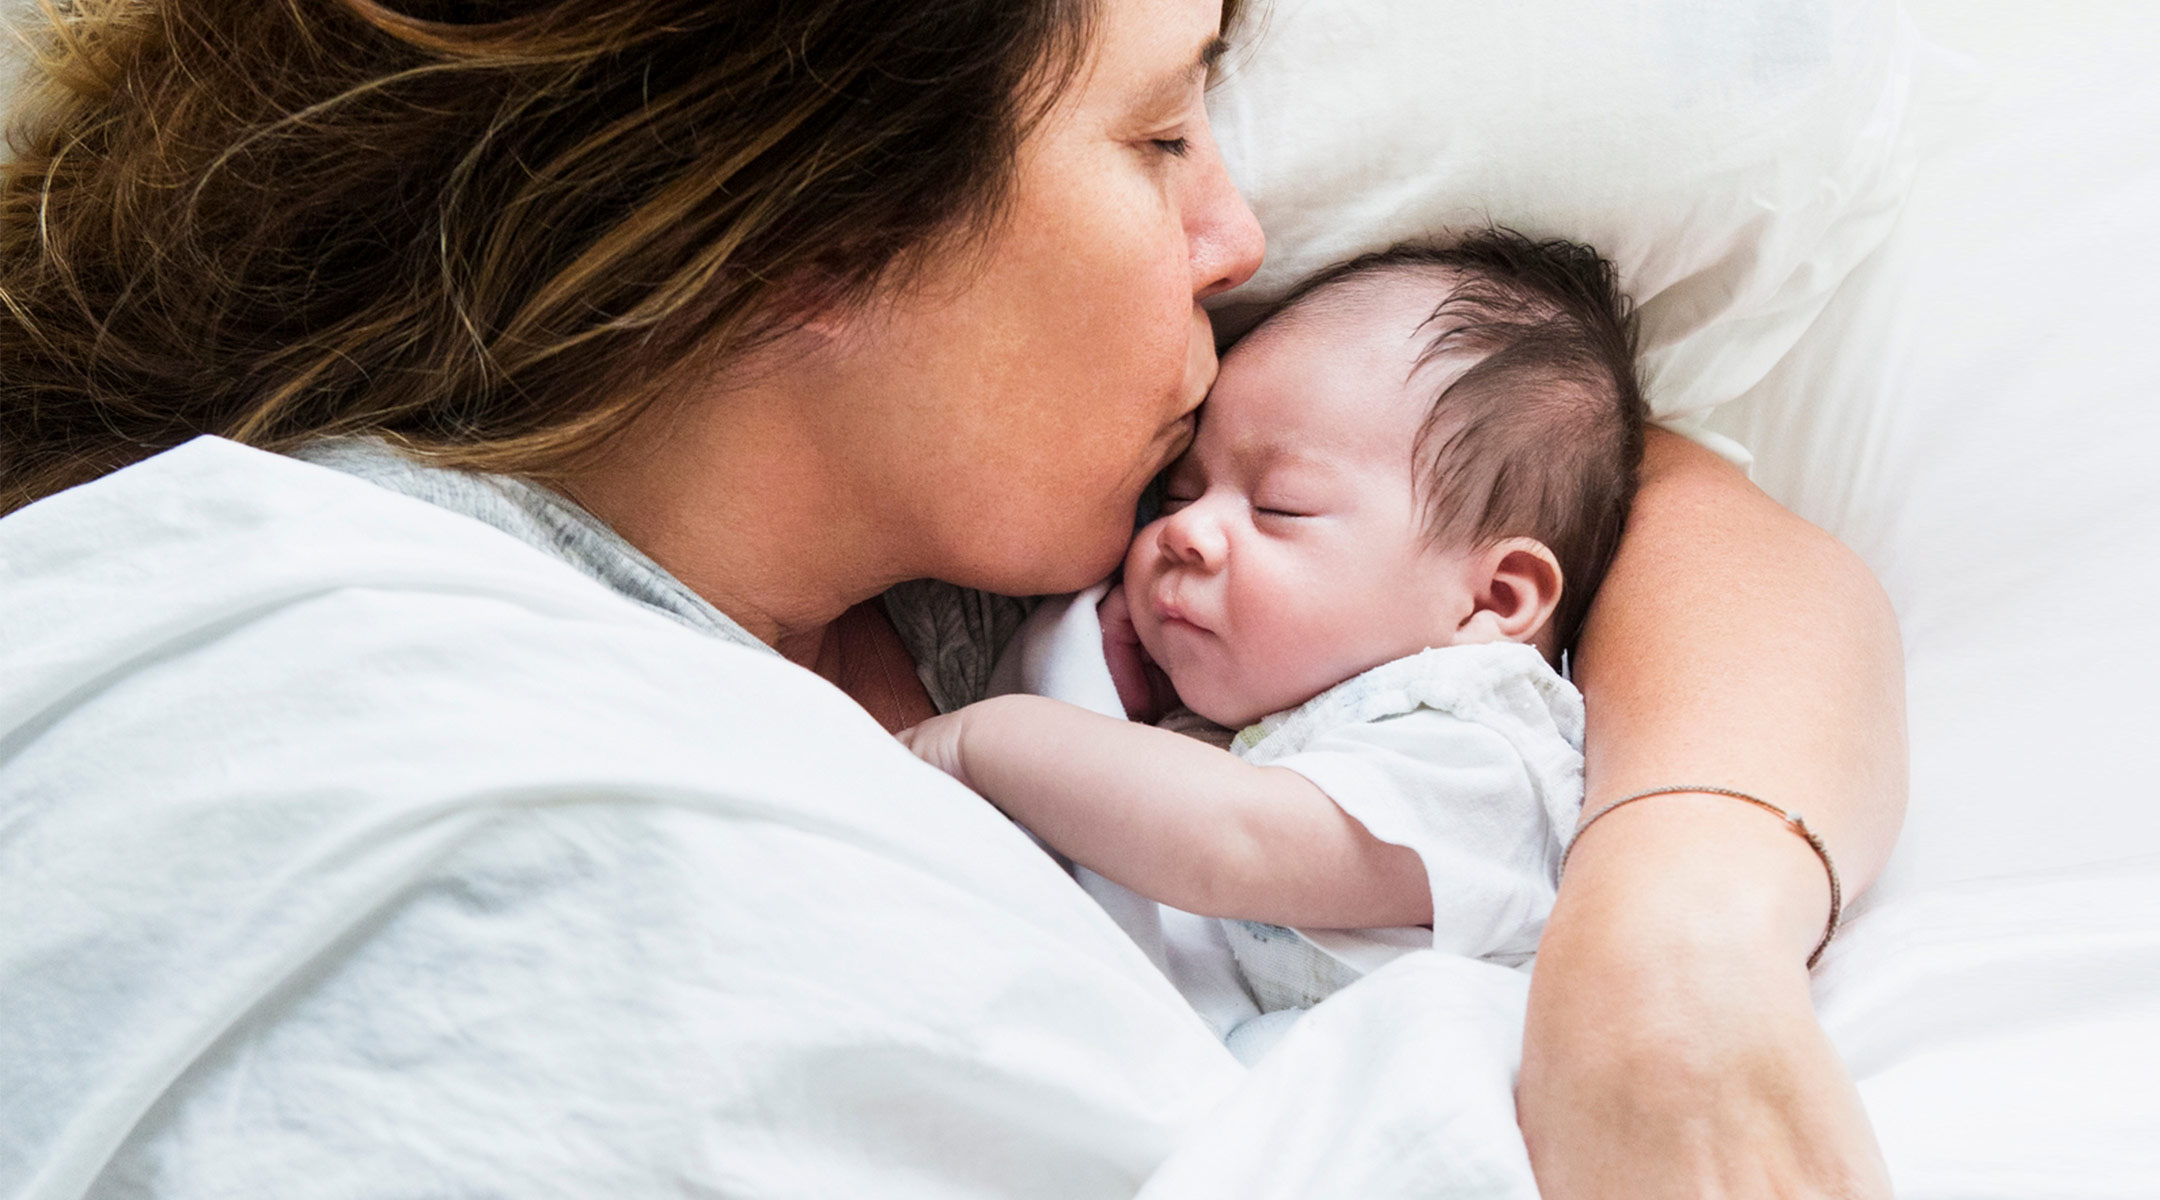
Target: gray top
[{"x": 953, "y": 633}]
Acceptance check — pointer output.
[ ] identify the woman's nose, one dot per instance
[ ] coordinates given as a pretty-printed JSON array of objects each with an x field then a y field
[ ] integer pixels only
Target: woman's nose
[
  {"x": 1192, "y": 537},
  {"x": 1223, "y": 235}
]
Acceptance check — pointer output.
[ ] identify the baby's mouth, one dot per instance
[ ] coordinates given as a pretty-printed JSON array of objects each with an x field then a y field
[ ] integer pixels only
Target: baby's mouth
[{"x": 1169, "y": 613}]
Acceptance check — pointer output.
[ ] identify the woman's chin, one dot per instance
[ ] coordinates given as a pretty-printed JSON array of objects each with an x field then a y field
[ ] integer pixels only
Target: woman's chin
[
  {"x": 1050, "y": 563},
  {"x": 1080, "y": 570}
]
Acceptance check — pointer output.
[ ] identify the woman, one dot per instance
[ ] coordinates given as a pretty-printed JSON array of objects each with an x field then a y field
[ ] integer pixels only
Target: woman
[{"x": 803, "y": 302}]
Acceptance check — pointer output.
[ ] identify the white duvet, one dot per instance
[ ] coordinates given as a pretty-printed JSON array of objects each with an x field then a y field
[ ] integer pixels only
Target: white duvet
[{"x": 351, "y": 848}]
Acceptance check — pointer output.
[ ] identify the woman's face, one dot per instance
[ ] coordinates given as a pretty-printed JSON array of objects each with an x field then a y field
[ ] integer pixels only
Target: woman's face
[{"x": 1026, "y": 395}]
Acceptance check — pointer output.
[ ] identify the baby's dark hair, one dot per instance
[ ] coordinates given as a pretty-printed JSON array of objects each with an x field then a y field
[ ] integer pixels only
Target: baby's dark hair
[{"x": 1542, "y": 436}]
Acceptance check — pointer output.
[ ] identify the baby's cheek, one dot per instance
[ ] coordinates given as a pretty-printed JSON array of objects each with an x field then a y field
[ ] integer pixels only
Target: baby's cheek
[
  {"x": 1137, "y": 576},
  {"x": 1296, "y": 658},
  {"x": 1143, "y": 557}
]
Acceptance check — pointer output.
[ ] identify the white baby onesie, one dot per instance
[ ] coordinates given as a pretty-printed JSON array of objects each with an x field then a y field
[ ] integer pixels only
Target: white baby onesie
[{"x": 1469, "y": 755}]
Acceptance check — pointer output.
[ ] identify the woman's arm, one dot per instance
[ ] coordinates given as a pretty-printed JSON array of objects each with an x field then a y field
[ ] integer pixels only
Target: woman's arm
[
  {"x": 1175, "y": 819},
  {"x": 1671, "y": 1048}
]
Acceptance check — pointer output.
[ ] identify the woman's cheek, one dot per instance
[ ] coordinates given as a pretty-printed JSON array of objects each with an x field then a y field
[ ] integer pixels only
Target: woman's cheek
[
  {"x": 1145, "y": 275},
  {"x": 1201, "y": 362}
]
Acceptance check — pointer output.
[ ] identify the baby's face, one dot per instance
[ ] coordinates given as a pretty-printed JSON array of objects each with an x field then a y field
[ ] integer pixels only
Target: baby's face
[{"x": 1291, "y": 553}]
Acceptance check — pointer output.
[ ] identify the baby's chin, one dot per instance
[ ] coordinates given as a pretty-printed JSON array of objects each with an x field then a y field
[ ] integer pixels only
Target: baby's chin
[
  {"x": 1213, "y": 681},
  {"x": 1222, "y": 705}
]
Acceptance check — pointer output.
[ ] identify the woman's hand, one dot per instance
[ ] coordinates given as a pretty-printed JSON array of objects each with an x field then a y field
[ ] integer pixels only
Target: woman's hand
[
  {"x": 1672, "y": 1049},
  {"x": 1141, "y": 685},
  {"x": 1724, "y": 1089}
]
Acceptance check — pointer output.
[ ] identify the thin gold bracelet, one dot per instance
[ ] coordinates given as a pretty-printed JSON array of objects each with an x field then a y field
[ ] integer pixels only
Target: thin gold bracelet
[{"x": 1793, "y": 819}]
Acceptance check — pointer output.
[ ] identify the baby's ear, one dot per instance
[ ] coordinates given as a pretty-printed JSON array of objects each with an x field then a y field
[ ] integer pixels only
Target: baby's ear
[{"x": 1520, "y": 589}]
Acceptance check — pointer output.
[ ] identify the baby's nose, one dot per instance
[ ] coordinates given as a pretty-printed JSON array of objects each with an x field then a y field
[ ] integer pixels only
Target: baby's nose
[{"x": 1194, "y": 537}]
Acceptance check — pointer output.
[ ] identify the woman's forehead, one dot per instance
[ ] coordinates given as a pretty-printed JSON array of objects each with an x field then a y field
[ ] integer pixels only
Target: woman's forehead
[{"x": 1152, "y": 54}]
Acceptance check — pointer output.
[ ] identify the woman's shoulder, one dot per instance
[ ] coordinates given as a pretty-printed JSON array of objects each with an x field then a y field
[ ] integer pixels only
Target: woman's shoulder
[
  {"x": 311, "y": 589},
  {"x": 534, "y": 515}
]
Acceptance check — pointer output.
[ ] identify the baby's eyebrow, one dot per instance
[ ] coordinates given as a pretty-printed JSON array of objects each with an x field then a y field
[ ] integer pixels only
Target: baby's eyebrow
[{"x": 1264, "y": 462}]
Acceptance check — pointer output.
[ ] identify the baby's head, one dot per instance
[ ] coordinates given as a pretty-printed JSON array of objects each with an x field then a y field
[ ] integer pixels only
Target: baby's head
[{"x": 1421, "y": 447}]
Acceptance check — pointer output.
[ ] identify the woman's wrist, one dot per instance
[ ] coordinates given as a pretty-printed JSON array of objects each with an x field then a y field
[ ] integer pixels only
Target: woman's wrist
[
  {"x": 1690, "y": 873},
  {"x": 1679, "y": 917}
]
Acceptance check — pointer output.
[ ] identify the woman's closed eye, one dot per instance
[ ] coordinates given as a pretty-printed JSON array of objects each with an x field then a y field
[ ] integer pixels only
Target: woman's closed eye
[{"x": 1176, "y": 147}]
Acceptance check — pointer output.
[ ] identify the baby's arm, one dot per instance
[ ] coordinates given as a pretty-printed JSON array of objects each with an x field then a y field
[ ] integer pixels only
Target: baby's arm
[{"x": 1176, "y": 819}]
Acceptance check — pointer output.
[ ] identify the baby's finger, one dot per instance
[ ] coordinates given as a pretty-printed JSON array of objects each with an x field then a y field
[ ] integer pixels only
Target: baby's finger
[{"x": 1115, "y": 612}]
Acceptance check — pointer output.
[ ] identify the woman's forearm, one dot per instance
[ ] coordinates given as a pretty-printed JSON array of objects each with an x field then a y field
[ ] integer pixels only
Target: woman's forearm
[
  {"x": 1671, "y": 1048},
  {"x": 1735, "y": 645}
]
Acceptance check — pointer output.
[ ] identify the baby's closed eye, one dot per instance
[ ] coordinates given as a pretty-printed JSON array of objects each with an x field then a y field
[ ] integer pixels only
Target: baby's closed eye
[{"x": 1287, "y": 505}]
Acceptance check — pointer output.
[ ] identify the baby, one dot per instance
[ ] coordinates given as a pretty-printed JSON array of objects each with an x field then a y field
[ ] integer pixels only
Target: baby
[{"x": 1403, "y": 491}]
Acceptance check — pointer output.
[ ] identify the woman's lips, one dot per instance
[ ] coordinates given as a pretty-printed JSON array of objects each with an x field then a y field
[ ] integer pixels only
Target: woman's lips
[{"x": 1178, "y": 436}]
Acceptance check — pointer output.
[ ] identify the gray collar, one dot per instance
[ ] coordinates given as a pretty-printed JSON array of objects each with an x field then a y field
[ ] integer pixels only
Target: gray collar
[{"x": 537, "y": 516}]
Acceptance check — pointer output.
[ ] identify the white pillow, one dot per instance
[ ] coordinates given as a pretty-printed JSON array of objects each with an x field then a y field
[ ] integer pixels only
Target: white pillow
[{"x": 1735, "y": 160}]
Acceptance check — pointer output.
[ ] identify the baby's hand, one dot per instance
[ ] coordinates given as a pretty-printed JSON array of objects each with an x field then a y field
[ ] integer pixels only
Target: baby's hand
[
  {"x": 937, "y": 742},
  {"x": 1141, "y": 685}
]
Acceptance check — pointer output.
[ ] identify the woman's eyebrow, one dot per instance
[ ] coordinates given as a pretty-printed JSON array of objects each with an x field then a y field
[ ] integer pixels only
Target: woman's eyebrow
[
  {"x": 1212, "y": 52},
  {"x": 1171, "y": 90}
]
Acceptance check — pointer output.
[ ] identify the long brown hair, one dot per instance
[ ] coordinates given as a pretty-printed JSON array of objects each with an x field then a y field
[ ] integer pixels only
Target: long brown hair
[{"x": 488, "y": 229}]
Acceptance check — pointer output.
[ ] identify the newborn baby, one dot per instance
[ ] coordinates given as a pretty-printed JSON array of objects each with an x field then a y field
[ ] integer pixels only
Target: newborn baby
[{"x": 1403, "y": 491}]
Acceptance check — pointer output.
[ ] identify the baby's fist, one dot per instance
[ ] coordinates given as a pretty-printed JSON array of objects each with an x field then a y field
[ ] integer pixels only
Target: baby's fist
[
  {"x": 1141, "y": 685},
  {"x": 937, "y": 742}
]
